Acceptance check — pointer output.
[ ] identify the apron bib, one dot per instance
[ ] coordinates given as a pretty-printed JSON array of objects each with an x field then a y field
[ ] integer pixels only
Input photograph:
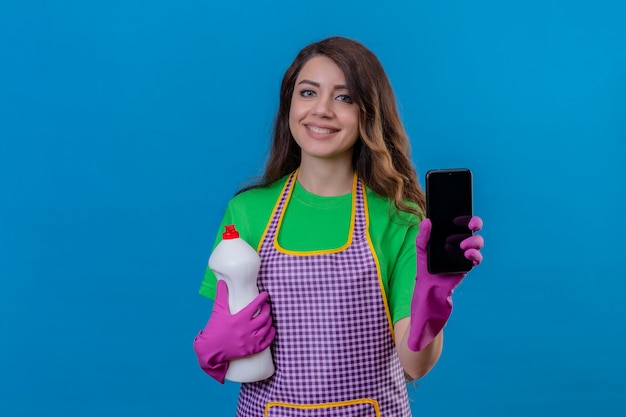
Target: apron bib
[{"x": 334, "y": 349}]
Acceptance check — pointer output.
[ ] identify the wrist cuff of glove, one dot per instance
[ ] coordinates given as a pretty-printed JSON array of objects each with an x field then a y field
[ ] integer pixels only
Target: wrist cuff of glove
[
  {"x": 431, "y": 309},
  {"x": 217, "y": 372},
  {"x": 216, "y": 369}
]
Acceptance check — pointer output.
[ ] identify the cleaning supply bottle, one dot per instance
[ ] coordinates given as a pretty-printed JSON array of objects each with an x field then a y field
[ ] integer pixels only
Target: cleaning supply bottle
[{"x": 237, "y": 263}]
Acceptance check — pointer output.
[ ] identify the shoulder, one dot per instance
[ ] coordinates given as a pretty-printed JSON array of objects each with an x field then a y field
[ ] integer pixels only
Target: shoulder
[
  {"x": 392, "y": 231},
  {"x": 258, "y": 196},
  {"x": 251, "y": 210},
  {"x": 382, "y": 209}
]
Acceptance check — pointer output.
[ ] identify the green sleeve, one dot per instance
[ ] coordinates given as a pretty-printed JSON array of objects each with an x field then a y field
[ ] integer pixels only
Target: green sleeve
[
  {"x": 249, "y": 227},
  {"x": 402, "y": 279},
  {"x": 393, "y": 237},
  {"x": 250, "y": 213}
]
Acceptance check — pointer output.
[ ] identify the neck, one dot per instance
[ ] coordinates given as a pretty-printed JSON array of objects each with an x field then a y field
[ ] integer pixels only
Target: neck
[{"x": 325, "y": 178}]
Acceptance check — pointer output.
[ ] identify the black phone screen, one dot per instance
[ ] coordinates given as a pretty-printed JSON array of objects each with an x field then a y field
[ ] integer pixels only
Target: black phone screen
[{"x": 449, "y": 207}]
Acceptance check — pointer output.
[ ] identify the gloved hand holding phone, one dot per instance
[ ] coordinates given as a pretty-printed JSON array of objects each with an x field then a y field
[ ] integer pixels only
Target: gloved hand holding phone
[{"x": 431, "y": 305}]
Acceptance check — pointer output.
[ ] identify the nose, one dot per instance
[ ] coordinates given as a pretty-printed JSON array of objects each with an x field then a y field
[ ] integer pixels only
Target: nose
[{"x": 323, "y": 107}]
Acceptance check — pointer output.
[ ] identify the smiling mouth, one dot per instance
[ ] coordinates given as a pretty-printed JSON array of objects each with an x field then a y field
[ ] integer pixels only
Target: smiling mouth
[{"x": 321, "y": 130}]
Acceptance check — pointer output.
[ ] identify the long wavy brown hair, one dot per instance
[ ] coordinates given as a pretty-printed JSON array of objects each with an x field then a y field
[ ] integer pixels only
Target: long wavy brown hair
[{"x": 381, "y": 155}]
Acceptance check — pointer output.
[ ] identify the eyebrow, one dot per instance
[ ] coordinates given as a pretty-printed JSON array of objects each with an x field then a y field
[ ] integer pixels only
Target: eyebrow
[{"x": 316, "y": 84}]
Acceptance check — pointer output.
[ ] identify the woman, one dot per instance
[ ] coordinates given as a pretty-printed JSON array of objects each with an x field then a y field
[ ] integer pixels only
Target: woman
[{"x": 347, "y": 303}]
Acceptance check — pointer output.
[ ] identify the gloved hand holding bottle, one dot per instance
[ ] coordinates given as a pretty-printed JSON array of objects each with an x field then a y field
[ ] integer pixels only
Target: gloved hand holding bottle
[
  {"x": 229, "y": 336},
  {"x": 431, "y": 305}
]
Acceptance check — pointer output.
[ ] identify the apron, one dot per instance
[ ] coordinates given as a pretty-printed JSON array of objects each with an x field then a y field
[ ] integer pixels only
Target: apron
[{"x": 334, "y": 349}]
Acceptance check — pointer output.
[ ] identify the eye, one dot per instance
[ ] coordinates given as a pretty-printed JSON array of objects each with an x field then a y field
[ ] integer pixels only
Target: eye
[
  {"x": 345, "y": 98},
  {"x": 307, "y": 93}
]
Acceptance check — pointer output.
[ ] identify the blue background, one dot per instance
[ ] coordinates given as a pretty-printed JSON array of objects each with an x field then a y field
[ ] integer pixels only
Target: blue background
[{"x": 125, "y": 126}]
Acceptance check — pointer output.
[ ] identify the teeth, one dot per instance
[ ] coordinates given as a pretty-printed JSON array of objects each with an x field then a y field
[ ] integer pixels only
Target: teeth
[{"x": 320, "y": 130}]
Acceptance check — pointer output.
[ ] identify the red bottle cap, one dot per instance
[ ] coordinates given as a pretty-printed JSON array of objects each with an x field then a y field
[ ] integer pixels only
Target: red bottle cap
[{"x": 231, "y": 232}]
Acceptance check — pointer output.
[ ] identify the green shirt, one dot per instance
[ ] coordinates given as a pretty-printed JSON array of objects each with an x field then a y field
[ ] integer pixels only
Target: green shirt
[{"x": 313, "y": 222}]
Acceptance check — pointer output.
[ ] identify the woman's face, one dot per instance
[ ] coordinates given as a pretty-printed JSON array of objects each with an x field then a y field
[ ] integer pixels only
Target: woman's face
[{"x": 323, "y": 119}]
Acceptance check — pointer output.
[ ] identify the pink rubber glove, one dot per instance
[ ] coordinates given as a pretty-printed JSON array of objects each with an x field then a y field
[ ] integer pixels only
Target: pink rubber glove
[
  {"x": 431, "y": 305},
  {"x": 231, "y": 336}
]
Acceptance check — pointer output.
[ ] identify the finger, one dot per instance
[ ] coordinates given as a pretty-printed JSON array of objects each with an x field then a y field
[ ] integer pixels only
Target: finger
[
  {"x": 473, "y": 242},
  {"x": 462, "y": 221},
  {"x": 221, "y": 294},
  {"x": 252, "y": 309},
  {"x": 474, "y": 255},
  {"x": 457, "y": 238},
  {"x": 475, "y": 224},
  {"x": 267, "y": 340},
  {"x": 261, "y": 317},
  {"x": 263, "y": 331},
  {"x": 421, "y": 241}
]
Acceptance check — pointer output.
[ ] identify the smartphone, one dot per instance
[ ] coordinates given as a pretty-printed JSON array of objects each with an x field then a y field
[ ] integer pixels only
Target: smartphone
[{"x": 449, "y": 207}]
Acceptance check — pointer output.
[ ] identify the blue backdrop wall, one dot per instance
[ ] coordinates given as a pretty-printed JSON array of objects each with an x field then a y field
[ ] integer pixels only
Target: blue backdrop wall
[{"x": 125, "y": 126}]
